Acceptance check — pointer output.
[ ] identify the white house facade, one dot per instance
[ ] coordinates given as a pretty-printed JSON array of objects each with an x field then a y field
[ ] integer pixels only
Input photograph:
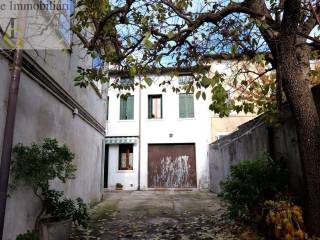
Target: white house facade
[{"x": 157, "y": 139}]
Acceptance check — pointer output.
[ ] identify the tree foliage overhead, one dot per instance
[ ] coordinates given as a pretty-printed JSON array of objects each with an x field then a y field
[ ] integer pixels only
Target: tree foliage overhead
[{"x": 139, "y": 35}]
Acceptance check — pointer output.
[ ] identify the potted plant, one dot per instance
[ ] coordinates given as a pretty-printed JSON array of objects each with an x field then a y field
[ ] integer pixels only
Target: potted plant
[
  {"x": 119, "y": 186},
  {"x": 58, "y": 214},
  {"x": 35, "y": 166}
]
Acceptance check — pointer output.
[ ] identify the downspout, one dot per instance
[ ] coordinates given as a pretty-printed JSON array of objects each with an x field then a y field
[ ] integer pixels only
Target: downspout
[
  {"x": 139, "y": 158},
  {"x": 8, "y": 134}
]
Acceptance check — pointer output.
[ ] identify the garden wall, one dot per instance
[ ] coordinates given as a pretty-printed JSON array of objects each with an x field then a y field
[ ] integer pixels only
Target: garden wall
[{"x": 251, "y": 140}]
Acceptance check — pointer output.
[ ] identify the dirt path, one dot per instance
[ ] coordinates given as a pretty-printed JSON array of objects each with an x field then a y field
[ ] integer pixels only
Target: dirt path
[{"x": 159, "y": 215}]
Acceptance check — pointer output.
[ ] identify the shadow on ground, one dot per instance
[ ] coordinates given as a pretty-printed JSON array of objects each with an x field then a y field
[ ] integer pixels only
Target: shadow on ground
[{"x": 159, "y": 215}]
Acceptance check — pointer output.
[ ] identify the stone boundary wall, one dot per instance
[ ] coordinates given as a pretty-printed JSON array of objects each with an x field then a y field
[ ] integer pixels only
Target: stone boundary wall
[{"x": 254, "y": 138}]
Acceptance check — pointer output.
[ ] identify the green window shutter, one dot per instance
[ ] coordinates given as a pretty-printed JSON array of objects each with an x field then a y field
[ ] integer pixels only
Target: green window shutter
[
  {"x": 127, "y": 108},
  {"x": 186, "y": 106},
  {"x": 107, "y": 108},
  {"x": 150, "y": 107},
  {"x": 182, "y": 106},
  {"x": 161, "y": 104},
  {"x": 190, "y": 105},
  {"x": 123, "y": 104},
  {"x": 130, "y": 107}
]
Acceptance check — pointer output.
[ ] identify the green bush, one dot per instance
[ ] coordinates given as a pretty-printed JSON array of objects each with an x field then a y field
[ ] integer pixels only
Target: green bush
[
  {"x": 56, "y": 208},
  {"x": 251, "y": 182},
  {"x": 35, "y": 166},
  {"x": 29, "y": 235}
]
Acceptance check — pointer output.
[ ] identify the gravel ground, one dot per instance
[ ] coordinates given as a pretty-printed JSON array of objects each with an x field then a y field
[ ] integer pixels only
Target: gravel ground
[{"x": 159, "y": 215}]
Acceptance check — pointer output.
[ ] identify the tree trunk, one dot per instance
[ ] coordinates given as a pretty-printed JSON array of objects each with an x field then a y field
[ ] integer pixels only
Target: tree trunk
[{"x": 293, "y": 67}]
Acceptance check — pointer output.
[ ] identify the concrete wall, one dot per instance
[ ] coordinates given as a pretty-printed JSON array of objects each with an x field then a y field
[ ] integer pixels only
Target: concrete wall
[
  {"x": 45, "y": 109},
  {"x": 254, "y": 138},
  {"x": 195, "y": 130},
  {"x": 246, "y": 143}
]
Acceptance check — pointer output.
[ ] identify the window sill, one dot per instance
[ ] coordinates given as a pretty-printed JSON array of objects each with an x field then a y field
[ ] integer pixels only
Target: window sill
[
  {"x": 125, "y": 171},
  {"x": 129, "y": 120},
  {"x": 182, "y": 119},
  {"x": 155, "y": 119}
]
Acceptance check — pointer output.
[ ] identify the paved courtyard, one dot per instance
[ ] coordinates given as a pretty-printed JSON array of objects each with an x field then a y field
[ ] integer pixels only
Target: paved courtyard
[{"x": 159, "y": 215}]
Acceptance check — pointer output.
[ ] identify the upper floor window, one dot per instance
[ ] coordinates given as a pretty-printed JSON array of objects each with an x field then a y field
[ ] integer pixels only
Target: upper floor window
[
  {"x": 186, "y": 105},
  {"x": 126, "y": 108},
  {"x": 184, "y": 79},
  {"x": 155, "y": 106},
  {"x": 126, "y": 81}
]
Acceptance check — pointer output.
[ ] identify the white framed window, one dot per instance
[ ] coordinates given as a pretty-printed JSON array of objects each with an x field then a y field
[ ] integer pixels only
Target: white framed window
[
  {"x": 125, "y": 157},
  {"x": 155, "y": 106}
]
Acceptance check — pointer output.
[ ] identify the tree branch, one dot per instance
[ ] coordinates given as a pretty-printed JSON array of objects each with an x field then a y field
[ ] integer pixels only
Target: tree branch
[
  {"x": 177, "y": 11},
  {"x": 102, "y": 23}
]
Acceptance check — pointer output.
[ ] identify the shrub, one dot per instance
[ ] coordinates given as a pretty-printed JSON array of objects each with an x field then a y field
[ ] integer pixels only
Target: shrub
[
  {"x": 56, "y": 208},
  {"x": 29, "y": 235},
  {"x": 250, "y": 183},
  {"x": 35, "y": 166}
]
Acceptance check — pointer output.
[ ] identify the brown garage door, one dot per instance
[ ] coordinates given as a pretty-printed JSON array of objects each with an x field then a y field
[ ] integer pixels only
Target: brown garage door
[{"x": 172, "y": 166}]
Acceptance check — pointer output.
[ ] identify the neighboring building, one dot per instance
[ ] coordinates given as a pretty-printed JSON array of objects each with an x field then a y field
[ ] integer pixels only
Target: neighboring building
[
  {"x": 49, "y": 105},
  {"x": 221, "y": 127},
  {"x": 157, "y": 139}
]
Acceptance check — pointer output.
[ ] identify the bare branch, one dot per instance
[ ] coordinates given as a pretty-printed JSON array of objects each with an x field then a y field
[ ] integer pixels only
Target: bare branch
[{"x": 179, "y": 12}]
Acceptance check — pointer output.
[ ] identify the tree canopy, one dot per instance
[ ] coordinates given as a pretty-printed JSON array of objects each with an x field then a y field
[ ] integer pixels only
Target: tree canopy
[{"x": 139, "y": 35}]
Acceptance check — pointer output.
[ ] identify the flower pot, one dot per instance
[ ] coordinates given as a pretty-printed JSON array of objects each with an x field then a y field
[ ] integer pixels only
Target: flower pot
[
  {"x": 119, "y": 186},
  {"x": 55, "y": 230}
]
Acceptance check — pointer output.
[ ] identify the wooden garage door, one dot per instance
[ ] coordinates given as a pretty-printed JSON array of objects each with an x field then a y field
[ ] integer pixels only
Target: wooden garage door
[{"x": 172, "y": 166}]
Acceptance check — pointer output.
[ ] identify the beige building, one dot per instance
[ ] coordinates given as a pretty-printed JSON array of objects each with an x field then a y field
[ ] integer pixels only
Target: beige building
[{"x": 224, "y": 126}]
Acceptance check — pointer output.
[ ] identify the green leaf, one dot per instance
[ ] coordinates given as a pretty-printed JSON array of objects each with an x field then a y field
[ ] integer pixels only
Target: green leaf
[
  {"x": 170, "y": 35},
  {"x": 234, "y": 49},
  {"x": 148, "y": 81},
  {"x": 198, "y": 94},
  {"x": 205, "y": 82},
  {"x": 133, "y": 71},
  {"x": 146, "y": 40},
  {"x": 204, "y": 96}
]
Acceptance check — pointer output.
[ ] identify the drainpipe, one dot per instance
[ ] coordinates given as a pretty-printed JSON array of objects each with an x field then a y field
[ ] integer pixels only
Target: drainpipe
[
  {"x": 139, "y": 159},
  {"x": 8, "y": 134}
]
